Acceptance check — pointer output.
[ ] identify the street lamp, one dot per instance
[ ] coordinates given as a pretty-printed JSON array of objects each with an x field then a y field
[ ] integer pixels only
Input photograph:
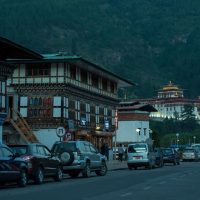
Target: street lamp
[
  {"x": 177, "y": 140},
  {"x": 138, "y": 133},
  {"x": 150, "y": 133},
  {"x": 194, "y": 137}
]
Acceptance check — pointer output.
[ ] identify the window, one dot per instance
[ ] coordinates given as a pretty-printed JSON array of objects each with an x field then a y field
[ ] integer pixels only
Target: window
[
  {"x": 39, "y": 106},
  {"x": 95, "y": 80},
  {"x": 84, "y": 76},
  {"x": 77, "y": 110},
  {"x": 6, "y": 152},
  {"x": 57, "y": 102},
  {"x": 104, "y": 84},
  {"x": 73, "y": 72},
  {"x": 2, "y": 96},
  {"x": 42, "y": 69},
  {"x": 112, "y": 87},
  {"x": 40, "y": 150},
  {"x": 97, "y": 114}
]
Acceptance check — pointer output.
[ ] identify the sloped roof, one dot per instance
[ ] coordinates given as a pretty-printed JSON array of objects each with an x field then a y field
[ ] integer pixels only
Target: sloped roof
[
  {"x": 11, "y": 50},
  {"x": 82, "y": 63},
  {"x": 136, "y": 106}
]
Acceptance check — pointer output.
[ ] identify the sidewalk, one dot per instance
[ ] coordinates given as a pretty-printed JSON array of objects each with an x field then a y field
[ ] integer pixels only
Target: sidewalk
[{"x": 116, "y": 165}]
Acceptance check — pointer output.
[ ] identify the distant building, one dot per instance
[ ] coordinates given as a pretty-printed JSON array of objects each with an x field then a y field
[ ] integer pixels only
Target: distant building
[
  {"x": 170, "y": 102},
  {"x": 133, "y": 122}
]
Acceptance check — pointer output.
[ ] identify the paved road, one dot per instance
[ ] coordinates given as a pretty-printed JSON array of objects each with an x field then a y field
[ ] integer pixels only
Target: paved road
[{"x": 167, "y": 183}]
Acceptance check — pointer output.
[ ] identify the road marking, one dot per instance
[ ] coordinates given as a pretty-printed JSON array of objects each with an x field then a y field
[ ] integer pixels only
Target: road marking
[
  {"x": 147, "y": 188},
  {"x": 126, "y": 194}
]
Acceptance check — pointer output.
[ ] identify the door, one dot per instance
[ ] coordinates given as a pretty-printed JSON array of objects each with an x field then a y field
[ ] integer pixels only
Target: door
[
  {"x": 95, "y": 157},
  {"x": 8, "y": 168}
]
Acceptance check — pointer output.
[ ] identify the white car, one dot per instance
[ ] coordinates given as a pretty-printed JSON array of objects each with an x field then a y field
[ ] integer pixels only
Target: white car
[
  {"x": 190, "y": 154},
  {"x": 140, "y": 155}
]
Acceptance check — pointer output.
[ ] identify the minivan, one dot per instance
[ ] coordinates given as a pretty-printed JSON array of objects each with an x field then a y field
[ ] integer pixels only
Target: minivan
[{"x": 140, "y": 154}]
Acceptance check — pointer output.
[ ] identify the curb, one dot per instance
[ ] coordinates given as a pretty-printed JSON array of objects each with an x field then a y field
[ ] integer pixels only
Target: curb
[{"x": 116, "y": 169}]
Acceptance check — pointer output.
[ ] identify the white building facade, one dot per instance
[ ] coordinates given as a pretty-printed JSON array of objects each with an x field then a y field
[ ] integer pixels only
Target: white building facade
[{"x": 133, "y": 122}]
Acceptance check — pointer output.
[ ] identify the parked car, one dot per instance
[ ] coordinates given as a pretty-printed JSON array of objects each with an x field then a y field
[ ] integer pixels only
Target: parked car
[
  {"x": 80, "y": 157},
  {"x": 12, "y": 167},
  {"x": 159, "y": 157},
  {"x": 190, "y": 154},
  {"x": 41, "y": 163},
  {"x": 139, "y": 155},
  {"x": 197, "y": 147},
  {"x": 170, "y": 156}
]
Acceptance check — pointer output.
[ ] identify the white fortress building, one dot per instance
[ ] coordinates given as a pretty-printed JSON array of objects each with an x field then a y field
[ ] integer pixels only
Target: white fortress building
[{"x": 170, "y": 102}]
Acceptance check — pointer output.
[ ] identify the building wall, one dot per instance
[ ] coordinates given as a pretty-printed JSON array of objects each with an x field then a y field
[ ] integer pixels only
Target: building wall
[
  {"x": 126, "y": 131},
  {"x": 47, "y": 136}
]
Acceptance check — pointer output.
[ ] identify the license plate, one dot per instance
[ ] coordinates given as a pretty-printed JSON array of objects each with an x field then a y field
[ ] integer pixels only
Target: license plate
[{"x": 137, "y": 157}]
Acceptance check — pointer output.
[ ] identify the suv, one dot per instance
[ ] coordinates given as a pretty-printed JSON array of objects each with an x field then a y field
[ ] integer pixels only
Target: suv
[
  {"x": 80, "y": 156},
  {"x": 170, "y": 156},
  {"x": 41, "y": 163},
  {"x": 12, "y": 168}
]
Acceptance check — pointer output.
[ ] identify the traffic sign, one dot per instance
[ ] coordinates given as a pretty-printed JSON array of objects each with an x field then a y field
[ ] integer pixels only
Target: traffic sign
[{"x": 60, "y": 131}]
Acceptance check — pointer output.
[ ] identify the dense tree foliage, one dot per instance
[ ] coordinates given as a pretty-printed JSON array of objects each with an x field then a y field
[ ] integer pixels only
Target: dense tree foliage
[
  {"x": 168, "y": 128},
  {"x": 147, "y": 41}
]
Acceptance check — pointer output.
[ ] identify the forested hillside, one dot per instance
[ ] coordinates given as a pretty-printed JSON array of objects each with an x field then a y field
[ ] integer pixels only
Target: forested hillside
[{"x": 147, "y": 41}]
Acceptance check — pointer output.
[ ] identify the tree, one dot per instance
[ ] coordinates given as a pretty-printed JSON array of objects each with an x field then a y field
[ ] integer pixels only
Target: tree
[{"x": 189, "y": 122}]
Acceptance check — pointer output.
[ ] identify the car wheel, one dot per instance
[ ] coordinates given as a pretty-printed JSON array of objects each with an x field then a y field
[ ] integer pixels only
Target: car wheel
[
  {"x": 74, "y": 174},
  {"x": 59, "y": 174},
  {"x": 150, "y": 166},
  {"x": 67, "y": 157},
  {"x": 23, "y": 181},
  {"x": 103, "y": 170},
  {"x": 86, "y": 172},
  {"x": 130, "y": 167},
  {"x": 39, "y": 176}
]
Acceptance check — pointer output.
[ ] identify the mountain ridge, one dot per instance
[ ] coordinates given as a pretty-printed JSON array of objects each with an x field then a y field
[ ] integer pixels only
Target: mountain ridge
[{"x": 146, "y": 41}]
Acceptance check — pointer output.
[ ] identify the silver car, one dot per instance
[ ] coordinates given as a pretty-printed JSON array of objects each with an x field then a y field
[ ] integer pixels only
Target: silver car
[
  {"x": 80, "y": 157},
  {"x": 190, "y": 154}
]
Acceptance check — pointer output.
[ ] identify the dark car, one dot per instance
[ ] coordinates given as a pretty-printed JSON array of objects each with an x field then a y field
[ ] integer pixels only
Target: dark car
[
  {"x": 159, "y": 157},
  {"x": 12, "y": 167},
  {"x": 80, "y": 157},
  {"x": 170, "y": 156},
  {"x": 41, "y": 163}
]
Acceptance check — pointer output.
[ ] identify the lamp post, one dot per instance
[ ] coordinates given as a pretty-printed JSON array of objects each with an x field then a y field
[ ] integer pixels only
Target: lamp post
[
  {"x": 194, "y": 137},
  {"x": 150, "y": 133},
  {"x": 177, "y": 139},
  {"x": 138, "y": 133}
]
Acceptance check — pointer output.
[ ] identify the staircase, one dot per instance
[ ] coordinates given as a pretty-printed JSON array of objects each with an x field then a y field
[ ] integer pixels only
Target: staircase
[{"x": 22, "y": 127}]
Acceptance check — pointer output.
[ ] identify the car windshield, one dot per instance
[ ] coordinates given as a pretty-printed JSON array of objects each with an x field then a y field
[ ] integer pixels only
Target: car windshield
[
  {"x": 19, "y": 149},
  {"x": 137, "y": 148},
  {"x": 167, "y": 151},
  {"x": 188, "y": 151},
  {"x": 60, "y": 147}
]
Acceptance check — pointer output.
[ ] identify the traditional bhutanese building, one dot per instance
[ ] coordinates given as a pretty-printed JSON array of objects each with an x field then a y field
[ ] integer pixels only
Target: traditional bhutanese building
[
  {"x": 64, "y": 91},
  {"x": 133, "y": 122},
  {"x": 9, "y": 50},
  {"x": 170, "y": 102}
]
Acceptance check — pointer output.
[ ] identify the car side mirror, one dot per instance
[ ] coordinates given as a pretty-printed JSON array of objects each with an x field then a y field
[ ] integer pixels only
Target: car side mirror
[{"x": 15, "y": 155}]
